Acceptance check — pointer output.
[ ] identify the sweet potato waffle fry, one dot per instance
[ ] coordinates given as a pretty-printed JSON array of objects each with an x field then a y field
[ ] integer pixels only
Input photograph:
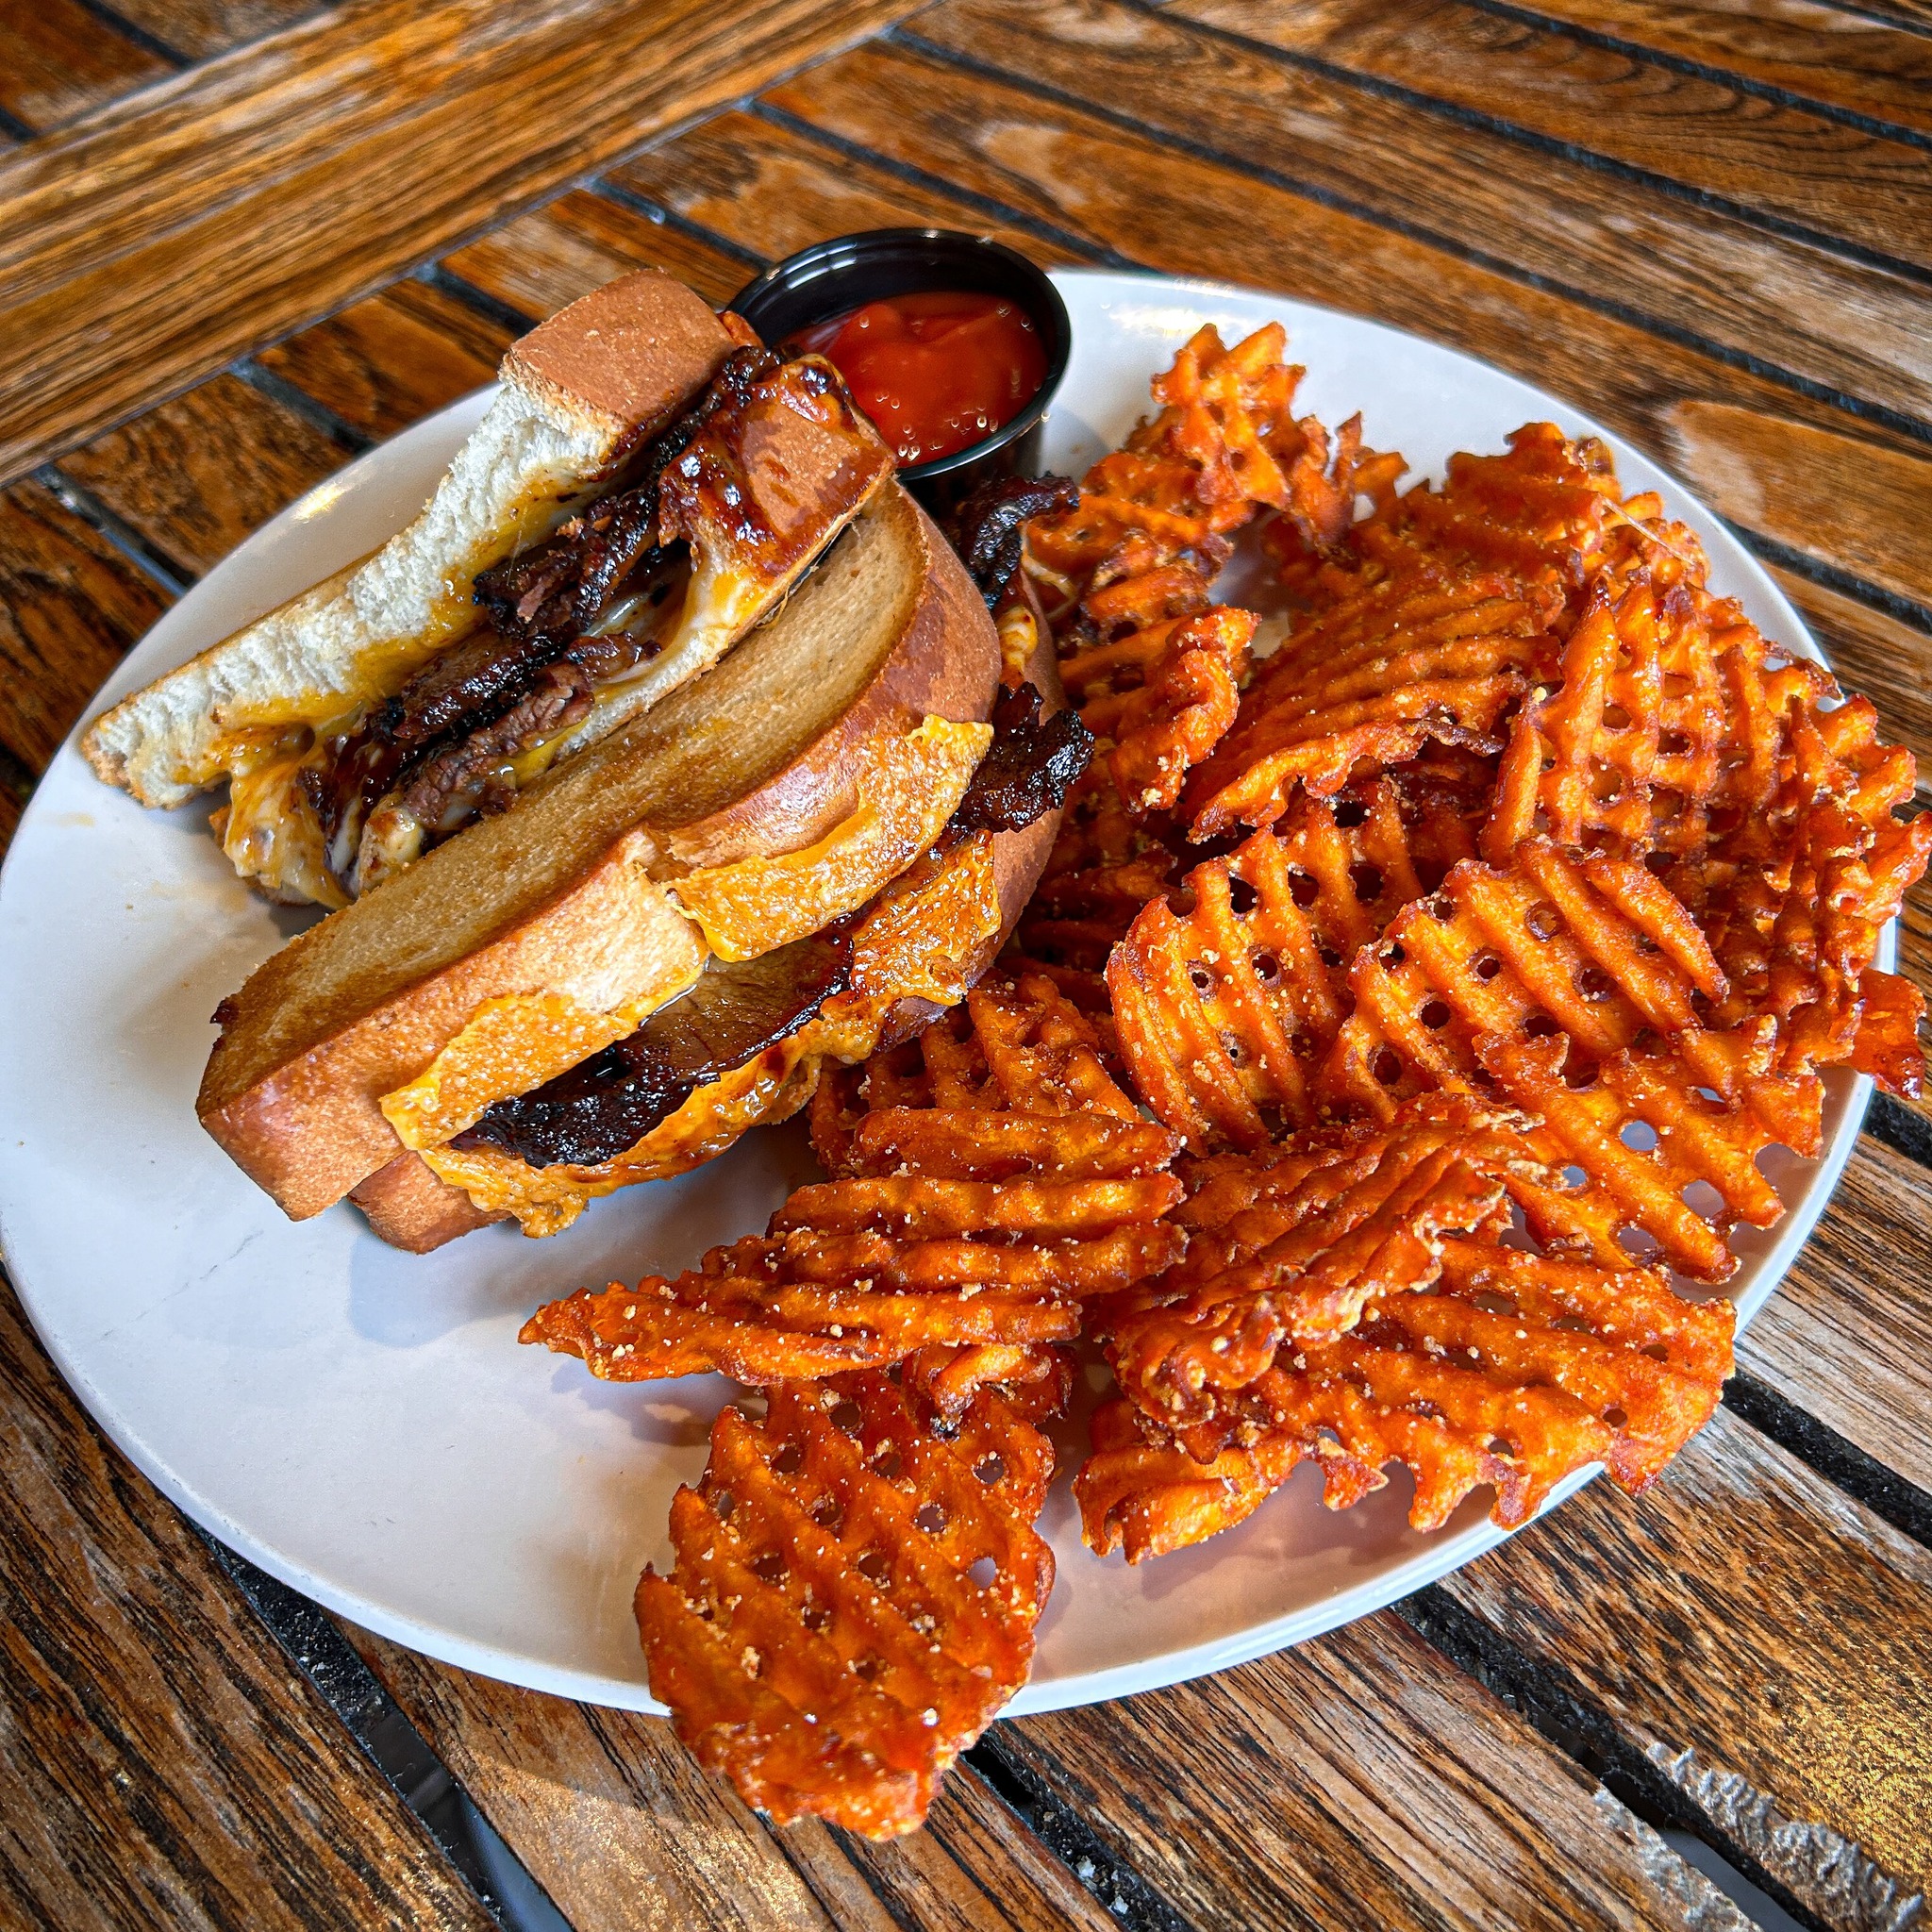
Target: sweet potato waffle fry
[
  {"x": 1221, "y": 446},
  {"x": 1224, "y": 1012},
  {"x": 1561, "y": 973},
  {"x": 854, "y": 1595},
  {"x": 1498, "y": 1366},
  {"x": 1624, "y": 756},
  {"x": 1350, "y": 1217},
  {"x": 987, "y": 1176},
  {"x": 1425, "y": 655},
  {"x": 1542, "y": 513}
]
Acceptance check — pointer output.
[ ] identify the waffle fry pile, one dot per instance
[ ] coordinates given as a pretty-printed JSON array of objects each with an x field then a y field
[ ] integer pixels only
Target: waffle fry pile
[{"x": 1391, "y": 1046}]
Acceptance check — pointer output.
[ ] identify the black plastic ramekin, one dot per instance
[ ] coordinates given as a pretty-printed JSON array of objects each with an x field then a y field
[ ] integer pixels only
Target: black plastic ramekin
[{"x": 832, "y": 277}]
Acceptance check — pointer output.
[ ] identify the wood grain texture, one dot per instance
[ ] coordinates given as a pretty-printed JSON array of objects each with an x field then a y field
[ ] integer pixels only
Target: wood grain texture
[
  {"x": 1696, "y": 130},
  {"x": 197, "y": 474},
  {"x": 771, "y": 191},
  {"x": 616, "y": 1821},
  {"x": 537, "y": 261},
  {"x": 1173, "y": 210},
  {"x": 160, "y": 1760},
  {"x": 1357, "y": 1780},
  {"x": 1748, "y": 1613},
  {"x": 1853, "y": 329},
  {"x": 1857, "y": 505},
  {"x": 57, "y": 60},
  {"x": 247, "y": 196},
  {"x": 381, "y": 363},
  {"x": 70, "y": 606},
  {"x": 199, "y": 29},
  {"x": 1833, "y": 54},
  {"x": 1848, "y": 1335}
]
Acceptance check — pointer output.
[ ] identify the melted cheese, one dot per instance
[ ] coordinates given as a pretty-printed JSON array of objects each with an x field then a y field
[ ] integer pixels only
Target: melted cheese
[
  {"x": 907, "y": 792},
  {"x": 929, "y": 936}
]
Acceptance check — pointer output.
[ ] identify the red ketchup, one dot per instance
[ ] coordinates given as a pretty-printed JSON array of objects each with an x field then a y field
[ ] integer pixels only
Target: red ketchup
[{"x": 936, "y": 372}]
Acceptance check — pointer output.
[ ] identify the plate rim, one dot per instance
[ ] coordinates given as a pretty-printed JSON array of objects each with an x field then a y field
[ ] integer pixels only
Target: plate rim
[{"x": 1447, "y": 1551}]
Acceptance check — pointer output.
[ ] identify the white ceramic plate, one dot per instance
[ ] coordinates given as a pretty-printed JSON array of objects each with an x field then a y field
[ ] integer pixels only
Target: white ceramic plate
[{"x": 362, "y": 1422}]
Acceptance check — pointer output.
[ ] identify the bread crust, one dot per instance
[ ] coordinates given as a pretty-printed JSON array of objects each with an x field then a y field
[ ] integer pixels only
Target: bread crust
[
  {"x": 293, "y": 1087},
  {"x": 639, "y": 347},
  {"x": 411, "y": 1207}
]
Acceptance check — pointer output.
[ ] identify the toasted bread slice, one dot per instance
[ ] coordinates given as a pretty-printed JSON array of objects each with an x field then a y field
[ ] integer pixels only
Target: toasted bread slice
[
  {"x": 410, "y": 1206},
  {"x": 578, "y": 392},
  {"x": 565, "y": 902}
]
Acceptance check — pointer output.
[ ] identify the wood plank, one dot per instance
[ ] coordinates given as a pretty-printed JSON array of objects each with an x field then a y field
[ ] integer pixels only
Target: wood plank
[
  {"x": 248, "y": 196},
  {"x": 973, "y": 1867},
  {"x": 1357, "y": 1780},
  {"x": 1848, "y": 1335},
  {"x": 772, "y": 192},
  {"x": 200, "y": 30},
  {"x": 539, "y": 260},
  {"x": 381, "y": 363},
  {"x": 1855, "y": 329},
  {"x": 613, "y": 1816},
  {"x": 161, "y": 1762},
  {"x": 1873, "y": 652},
  {"x": 607, "y": 1811},
  {"x": 1845, "y": 58},
  {"x": 197, "y": 474},
  {"x": 1837, "y": 497},
  {"x": 1169, "y": 209},
  {"x": 1780, "y": 161},
  {"x": 57, "y": 60},
  {"x": 1760, "y": 1638},
  {"x": 70, "y": 606}
]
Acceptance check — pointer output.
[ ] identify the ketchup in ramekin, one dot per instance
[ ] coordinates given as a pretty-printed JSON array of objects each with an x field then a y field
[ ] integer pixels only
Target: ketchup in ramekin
[{"x": 936, "y": 370}]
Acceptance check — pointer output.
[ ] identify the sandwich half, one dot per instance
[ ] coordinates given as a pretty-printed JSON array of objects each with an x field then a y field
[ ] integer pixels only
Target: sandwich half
[
  {"x": 615, "y": 872},
  {"x": 647, "y": 485}
]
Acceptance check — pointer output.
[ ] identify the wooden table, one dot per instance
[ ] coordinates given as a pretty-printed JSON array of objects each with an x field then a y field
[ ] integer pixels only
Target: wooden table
[{"x": 242, "y": 240}]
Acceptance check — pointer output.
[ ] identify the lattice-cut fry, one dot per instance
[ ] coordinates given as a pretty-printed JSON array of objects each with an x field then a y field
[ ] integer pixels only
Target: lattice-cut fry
[
  {"x": 1353, "y": 1217},
  {"x": 1224, "y": 1012},
  {"x": 1542, "y": 514},
  {"x": 1162, "y": 698},
  {"x": 738, "y": 1315},
  {"x": 1322, "y": 497},
  {"x": 1623, "y": 756},
  {"x": 823, "y": 1639},
  {"x": 1595, "y": 948},
  {"x": 1211, "y": 457},
  {"x": 1664, "y": 1138},
  {"x": 1140, "y": 1491},
  {"x": 1533, "y": 983},
  {"x": 1423, "y": 656},
  {"x": 987, "y": 1175},
  {"x": 1509, "y": 1368}
]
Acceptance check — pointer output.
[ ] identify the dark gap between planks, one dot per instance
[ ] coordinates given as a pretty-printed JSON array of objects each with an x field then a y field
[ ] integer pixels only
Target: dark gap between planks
[
  {"x": 399, "y": 1751},
  {"x": 1567, "y": 150},
  {"x": 1702, "y": 70},
  {"x": 1547, "y": 1699},
  {"x": 1900, "y": 421}
]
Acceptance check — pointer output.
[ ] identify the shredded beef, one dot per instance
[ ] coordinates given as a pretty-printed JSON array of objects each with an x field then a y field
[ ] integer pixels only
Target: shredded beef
[
  {"x": 1030, "y": 766},
  {"x": 611, "y": 1101},
  {"x": 558, "y": 588},
  {"x": 989, "y": 528}
]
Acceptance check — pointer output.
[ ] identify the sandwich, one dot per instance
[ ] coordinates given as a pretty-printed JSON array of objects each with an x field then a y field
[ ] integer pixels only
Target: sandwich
[{"x": 668, "y": 753}]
